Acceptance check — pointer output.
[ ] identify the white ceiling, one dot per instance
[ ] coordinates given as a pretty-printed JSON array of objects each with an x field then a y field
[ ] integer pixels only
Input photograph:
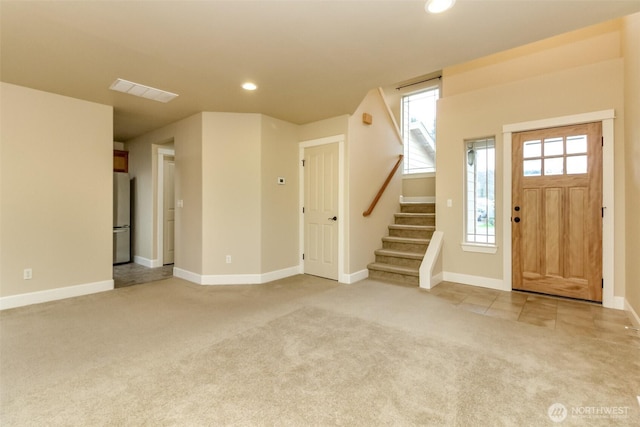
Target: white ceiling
[{"x": 312, "y": 59}]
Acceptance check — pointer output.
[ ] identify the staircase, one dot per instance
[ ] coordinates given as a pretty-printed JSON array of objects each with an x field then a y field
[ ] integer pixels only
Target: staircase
[{"x": 402, "y": 251}]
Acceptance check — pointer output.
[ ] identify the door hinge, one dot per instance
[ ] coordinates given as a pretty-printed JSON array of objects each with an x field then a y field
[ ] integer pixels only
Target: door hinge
[
  {"x": 602, "y": 141},
  {"x": 302, "y": 162},
  {"x": 602, "y": 283},
  {"x": 303, "y": 256},
  {"x": 303, "y": 209},
  {"x": 602, "y": 211}
]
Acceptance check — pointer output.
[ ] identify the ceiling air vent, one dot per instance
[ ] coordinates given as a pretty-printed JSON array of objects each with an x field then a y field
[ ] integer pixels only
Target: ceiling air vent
[{"x": 142, "y": 91}]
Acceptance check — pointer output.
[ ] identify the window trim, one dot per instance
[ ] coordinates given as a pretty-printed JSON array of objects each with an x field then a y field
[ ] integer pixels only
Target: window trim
[
  {"x": 418, "y": 175},
  {"x": 484, "y": 248}
]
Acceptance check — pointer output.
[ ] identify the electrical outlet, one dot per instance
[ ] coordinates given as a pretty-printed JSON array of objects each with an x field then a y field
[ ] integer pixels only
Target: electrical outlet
[
  {"x": 27, "y": 274},
  {"x": 228, "y": 259}
]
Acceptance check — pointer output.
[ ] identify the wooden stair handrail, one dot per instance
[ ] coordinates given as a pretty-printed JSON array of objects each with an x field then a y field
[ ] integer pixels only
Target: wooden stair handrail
[{"x": 384, "y": 187}]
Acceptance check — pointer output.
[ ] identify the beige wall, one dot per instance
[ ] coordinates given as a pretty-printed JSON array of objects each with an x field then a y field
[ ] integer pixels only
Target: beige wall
[
  {"x": 225, "y": 173},
  {"x": 140, "y": 171},
  {"x": 631, "y": 51},
  {"x": 279, "y": 203},
  {"x": 419, "y": 187},
  {"x": 185, "y": 137},
  {"x": 323, "y": 128},
  {"x": 583, "y": 73},
  {"x": 56, "y": 186},
  {"x": 373, "y": 150},
  {"x": 187, "y": 140},
  {"x": 231, "y": 220}
]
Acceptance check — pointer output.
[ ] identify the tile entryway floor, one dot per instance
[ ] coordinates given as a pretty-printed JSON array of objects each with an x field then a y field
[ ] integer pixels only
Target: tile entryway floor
[
  {"x": 134, "y": 274},
  {"x": 575, "y": 317}
]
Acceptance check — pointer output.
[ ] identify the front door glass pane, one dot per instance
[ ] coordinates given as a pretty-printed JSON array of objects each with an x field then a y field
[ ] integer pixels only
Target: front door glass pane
[
  {"x": 533, "y": 167},
  {"x": 576, "y": 165},
  {"x": 553, "y": 147},
  {"x": 554, "y": 166},
  {"x": 532, "y": 149}
]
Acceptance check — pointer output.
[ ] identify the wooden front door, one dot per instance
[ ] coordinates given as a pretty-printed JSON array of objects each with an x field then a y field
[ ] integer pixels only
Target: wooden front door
[
  {"x": 557, "y": 211},
  {"x": 321, "y": 210}
]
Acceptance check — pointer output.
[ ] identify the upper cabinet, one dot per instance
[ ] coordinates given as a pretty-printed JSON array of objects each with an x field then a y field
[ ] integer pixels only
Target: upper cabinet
[{"x": 120, "y": 161}]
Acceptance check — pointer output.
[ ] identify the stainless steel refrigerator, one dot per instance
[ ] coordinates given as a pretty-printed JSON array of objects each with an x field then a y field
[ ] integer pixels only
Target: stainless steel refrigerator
[{"x": 121, "y": 218}]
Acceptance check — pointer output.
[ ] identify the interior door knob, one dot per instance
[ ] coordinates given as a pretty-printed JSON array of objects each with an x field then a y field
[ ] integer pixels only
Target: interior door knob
[
  {"x": 335, "y": 218},
  {"x": 516, "y": 219}
]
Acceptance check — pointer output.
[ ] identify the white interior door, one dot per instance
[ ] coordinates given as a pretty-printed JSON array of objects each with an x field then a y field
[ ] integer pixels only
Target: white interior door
[
  {"x": 168, "y": 242},
  {"x": 321, "y": 210}
]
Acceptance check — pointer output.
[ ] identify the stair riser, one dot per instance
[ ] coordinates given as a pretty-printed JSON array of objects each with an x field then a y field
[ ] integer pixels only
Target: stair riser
[
  {"x": 414, "y": 234},
  {"x": 394, "y": 277},
  {"x": 402, "y": 262},
  {"x": 428, "y": 208},
  {"x": 406, "y": 247},
  {"x": 430, "y": 220}
]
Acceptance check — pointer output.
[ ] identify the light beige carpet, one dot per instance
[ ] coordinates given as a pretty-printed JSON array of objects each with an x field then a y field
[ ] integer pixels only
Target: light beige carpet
[{"x": 301, "y": 351}]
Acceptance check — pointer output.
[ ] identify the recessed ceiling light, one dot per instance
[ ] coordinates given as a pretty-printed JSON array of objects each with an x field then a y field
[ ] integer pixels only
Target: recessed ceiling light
[
  {"x": 142, "y": 91},
  {"x": 249, "y": 86},
  {"x": 438, "y": 6}
]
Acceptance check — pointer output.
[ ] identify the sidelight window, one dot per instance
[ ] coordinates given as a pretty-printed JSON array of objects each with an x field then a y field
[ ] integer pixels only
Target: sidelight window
[{"x": 480, "y": 208}]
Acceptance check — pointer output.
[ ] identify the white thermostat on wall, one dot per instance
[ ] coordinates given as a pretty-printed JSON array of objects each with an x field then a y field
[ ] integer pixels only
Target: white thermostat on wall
[{"x": 281, "y": 180}]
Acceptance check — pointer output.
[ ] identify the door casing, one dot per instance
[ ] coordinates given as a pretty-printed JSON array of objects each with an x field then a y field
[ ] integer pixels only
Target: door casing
[
  {"x": 162, "y": 152},
  {"x": 607, "y": 117},
  {"x": 168, "y": 211}
]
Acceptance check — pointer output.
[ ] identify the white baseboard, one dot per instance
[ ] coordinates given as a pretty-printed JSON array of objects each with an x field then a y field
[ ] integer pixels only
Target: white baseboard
[
  {"x": 617, "y": 302},
  {"x": 354, "y": 277},
  {"x": 235, "y": 279},
  {"x": 146, "y": 262},
  {"x": 436, "y": 280},
  {"x": 483, "y": 282},
  {"x": 418, "y": 199},
  {"x": 21, "y": 300},
  {"x": 634, "y": 314},
  {"x": 187, "y": 275}
]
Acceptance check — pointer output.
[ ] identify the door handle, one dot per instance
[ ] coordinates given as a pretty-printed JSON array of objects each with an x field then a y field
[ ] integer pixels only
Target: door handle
[
  {"x": 335, "y": 218},
  {"x": 516, "y": 219}
]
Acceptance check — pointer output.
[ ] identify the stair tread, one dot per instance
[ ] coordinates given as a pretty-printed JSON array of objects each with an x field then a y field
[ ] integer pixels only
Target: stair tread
[
  {"x": 405, "y": 239},
  {"x": 417, "y": 203},
  {"x": 411, "y": 227},
  {"x": 415, "y": 214},
  {"x": 399, "y": 254},
  {"x": 394, "y": 269}
]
